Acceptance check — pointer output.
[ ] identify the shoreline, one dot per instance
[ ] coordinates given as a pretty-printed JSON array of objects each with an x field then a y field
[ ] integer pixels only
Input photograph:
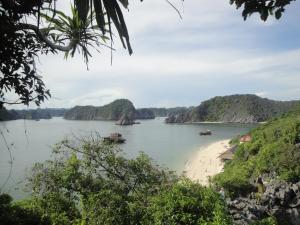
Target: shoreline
[
  {"x": 221, "y": 122},
  {"x": 205, "y": 162}
]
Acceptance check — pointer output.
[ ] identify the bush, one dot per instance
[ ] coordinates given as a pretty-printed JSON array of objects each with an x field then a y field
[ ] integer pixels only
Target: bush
[
  {"x": 14, "y": 214},
  {"x": 188, "y": 203}
]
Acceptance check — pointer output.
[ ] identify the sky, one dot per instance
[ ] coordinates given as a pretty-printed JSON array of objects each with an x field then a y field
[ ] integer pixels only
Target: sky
[{"x": 210, "y": 52}]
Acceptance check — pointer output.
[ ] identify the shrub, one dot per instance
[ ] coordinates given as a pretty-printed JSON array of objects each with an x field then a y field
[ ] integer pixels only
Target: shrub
[{"x": 188, "y": 203}]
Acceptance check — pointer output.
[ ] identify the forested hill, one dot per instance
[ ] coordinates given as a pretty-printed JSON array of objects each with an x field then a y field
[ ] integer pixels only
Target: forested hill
[
  {"x": 235, "y": 108},
  {"x": 113, "y": 111}
]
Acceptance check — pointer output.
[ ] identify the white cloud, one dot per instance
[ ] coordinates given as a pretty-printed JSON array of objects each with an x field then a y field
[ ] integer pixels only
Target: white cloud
[{"x": 212, "y": 51}]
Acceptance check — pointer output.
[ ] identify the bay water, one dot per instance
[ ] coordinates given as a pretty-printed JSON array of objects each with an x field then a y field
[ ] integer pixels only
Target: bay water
[{"x": 169, "y": 145}]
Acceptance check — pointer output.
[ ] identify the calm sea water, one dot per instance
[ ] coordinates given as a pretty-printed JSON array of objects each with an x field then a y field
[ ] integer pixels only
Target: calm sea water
[{"x": 170, "y": 145}]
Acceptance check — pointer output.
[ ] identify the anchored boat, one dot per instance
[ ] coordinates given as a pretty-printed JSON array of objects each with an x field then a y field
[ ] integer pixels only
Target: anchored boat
[
  {"x": 207, "y": 132},
  {"x": 115, "y": 138}
]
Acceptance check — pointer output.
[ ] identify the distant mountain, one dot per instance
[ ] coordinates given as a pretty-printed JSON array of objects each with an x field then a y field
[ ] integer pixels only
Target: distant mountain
[
  {"x": 113, "y": 111},
  {"x": 55, "y": 112},
  {"x": 163, "y": 112},
  {"x": 31, "y": 114},
  {"x": 234, "y": 108},
  {"x": 144, "y": 114},
  {"x": 118, "y": 109},
  {"x": 6, "y": 115}
]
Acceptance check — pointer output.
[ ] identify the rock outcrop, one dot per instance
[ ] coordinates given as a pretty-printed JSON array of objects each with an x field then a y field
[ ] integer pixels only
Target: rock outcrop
[
  {"x": 125, "y": 120},
  {"x": 280, "y": 200},
  {"x": 177, "y": 118}
]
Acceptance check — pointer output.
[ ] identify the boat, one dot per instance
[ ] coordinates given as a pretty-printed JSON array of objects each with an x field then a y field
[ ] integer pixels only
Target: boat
[
  {"x": 207, "y": 132},
  {"x": 114, "y": 138}
]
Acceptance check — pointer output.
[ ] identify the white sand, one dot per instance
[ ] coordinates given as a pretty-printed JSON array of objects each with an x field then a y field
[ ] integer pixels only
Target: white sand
[{"x": 206, "y": 163}]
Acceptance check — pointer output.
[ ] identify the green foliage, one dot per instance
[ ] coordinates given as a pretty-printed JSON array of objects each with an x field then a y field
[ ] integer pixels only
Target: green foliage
[
  {"x": 273, "y": 149},
  {"x": 90, "y": 181},
  {"x": 50, "y": 30},
  {"x": 188, "y": 203},
  {"x": 14, "y": 214},
  {"x": 82, "y": 33},
  {"x": 235, "y": 140},
  {"x": 266, "y": 221},
  {"x": 18, "y": 51},
  {"x": 264, "y": 8}
]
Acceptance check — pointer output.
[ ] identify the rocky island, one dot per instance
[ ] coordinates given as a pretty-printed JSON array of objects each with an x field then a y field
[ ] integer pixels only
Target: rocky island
[
  {"x": 234, "y": 109},
  {"x": 121, "y": 110}
]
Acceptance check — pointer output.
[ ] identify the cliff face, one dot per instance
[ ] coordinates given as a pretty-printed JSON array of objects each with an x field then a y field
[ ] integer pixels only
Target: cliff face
[
  {"x": 235, "y": 108},
  {"x": 112, "y": 111}
]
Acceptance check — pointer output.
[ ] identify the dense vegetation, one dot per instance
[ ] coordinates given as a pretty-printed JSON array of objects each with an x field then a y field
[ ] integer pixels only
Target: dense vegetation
[
  {"x": 235, "y": 108},
  {"x": 274, "y": 149}
]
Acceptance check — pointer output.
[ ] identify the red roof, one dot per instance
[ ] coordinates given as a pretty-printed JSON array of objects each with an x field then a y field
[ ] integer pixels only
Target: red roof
[{"x": 245, "y": 138}]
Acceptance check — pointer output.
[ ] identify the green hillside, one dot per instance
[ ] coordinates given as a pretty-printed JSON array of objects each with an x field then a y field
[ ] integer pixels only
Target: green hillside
[
  {"x": 112, "y": 111},
  {"x": 274, "y": 149},
  {"x": 235, "y": 108}
]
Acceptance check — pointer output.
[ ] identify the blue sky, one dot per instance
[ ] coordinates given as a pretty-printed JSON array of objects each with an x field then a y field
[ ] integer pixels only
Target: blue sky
[{"x": 211, "y": 51}]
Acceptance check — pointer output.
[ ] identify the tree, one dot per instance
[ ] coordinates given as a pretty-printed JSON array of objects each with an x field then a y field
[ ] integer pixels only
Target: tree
[
  {"x": 90, "y": 26},
  {"x": 188, "y": 203},
  {"x": 265, "y": 8},
  {"x": 91, "y": 182},
  {"x": 53, "y": 31},
  {"x": 97, "y": 177},
  {"x": 17, "y": 215}
]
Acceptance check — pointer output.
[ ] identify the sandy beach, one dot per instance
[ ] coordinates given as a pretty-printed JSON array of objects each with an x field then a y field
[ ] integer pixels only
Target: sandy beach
[{"x": 205, "y": 162}]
